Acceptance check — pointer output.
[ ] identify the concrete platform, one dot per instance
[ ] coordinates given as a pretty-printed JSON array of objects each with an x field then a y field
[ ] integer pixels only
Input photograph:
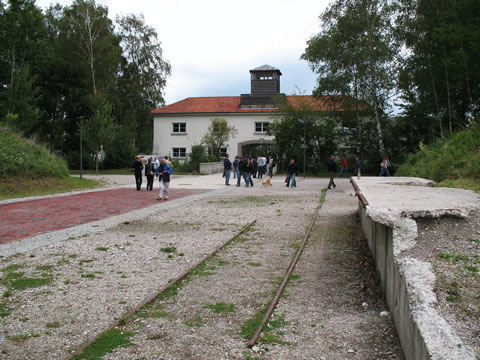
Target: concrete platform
[{"x": 387, "y": 206}]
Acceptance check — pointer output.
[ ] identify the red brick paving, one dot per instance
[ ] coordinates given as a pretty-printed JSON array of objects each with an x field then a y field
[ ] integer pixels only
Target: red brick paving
[{"x": 19, "y": 220}]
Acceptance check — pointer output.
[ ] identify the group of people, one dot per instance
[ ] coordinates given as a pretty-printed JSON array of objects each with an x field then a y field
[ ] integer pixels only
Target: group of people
[
  {"x": 248, "y": 168},
  {"x": 332, "y": 168},
  {"x": 161, "y": 168}
]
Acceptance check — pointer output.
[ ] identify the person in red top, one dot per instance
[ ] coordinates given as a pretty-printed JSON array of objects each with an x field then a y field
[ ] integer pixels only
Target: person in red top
[{"x": 344, "y": 167}]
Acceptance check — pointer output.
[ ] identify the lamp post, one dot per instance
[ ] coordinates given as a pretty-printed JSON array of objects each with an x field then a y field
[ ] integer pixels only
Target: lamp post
[
  {"x": 302, "y": 121},
  {"x": 81, "y": 148}
]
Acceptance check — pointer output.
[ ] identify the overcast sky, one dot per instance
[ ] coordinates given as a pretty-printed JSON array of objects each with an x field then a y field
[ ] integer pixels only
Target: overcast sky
[{"x": 212, "y": 44}]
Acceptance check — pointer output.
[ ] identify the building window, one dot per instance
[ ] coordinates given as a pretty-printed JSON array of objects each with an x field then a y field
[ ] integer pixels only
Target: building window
[
  {"x": 223, "y": 152},
  {"x": 179, "y": 152},
  {"x": 179, "y": 128},
  {"x": 261, "y": 127}
]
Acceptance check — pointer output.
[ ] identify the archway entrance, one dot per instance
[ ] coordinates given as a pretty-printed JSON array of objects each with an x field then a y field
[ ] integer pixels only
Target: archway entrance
[{"x": 255, "y": 147}]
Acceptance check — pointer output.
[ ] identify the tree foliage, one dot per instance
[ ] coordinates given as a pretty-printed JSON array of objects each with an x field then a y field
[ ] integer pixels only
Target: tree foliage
[
  {"x": 217, "y": 137},
  {"x": 68, "y": 66},
  {"x": 354, "y": 56}
]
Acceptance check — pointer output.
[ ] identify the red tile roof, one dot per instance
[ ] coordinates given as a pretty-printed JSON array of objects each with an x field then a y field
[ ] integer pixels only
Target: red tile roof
[{"x": 231, "y": 104}]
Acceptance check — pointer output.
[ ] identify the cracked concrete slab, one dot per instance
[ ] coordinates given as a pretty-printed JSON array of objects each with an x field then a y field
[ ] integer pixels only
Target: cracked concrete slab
[{"x": 389, "y": 207}]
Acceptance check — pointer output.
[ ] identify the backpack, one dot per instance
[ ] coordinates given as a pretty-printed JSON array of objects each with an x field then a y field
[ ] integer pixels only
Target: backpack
[{"x": 273, "y": 163}]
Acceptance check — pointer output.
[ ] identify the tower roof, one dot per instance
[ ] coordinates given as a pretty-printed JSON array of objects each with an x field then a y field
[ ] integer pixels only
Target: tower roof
[{"x": 266, "y": 68}]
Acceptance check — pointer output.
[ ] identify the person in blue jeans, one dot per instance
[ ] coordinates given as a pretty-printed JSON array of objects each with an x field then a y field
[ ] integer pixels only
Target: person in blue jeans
[
  {"x": 384, "y": 167},
  {"x": 227, "y": 168},
  {"x": 249, "y": 170},
  {"x": 292, "y": 173},
  {"x": 236, "y": 173}
]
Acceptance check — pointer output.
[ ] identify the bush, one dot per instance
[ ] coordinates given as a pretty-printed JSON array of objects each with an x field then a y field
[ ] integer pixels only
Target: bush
[
  {"x": 455, "y": 157},
  {"x": 21, "y": 157}
]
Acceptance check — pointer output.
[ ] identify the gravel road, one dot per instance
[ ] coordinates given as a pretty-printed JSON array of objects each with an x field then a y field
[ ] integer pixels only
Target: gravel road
[{"x": 333, "y": 307}]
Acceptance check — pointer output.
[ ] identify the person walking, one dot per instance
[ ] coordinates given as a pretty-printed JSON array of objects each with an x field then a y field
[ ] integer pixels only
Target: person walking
[
  {"x": 271, "y": 165},
  {"x": 163, "y": 172},
  {"x": 149, "y": 173},
  {"x": 332, "y": 170},
  {"x": 242, "y": 163},
  {"x": 254, "y": 165},
  {"x": 137, "y": 168},
  {"x": 292, "y": 173},
  {"x": 248, "y": 172},
  {"x": 358, "y": 167},
  {"x": 260, "y": 163},
  {"x": 227, "y": 168},
  {"x": 384, "y": 167},
  {"x": 235, "y": 167},
  {"x": 344, "y": 167}
]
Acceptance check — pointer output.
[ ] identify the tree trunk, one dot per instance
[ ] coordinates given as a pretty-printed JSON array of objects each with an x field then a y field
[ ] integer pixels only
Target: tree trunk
[
  {"x": 435, "y": 96},
  {"x": 448, "y": 98},
  {"x": 379, "y": 130},
  {"x": 96, "y": 163}
]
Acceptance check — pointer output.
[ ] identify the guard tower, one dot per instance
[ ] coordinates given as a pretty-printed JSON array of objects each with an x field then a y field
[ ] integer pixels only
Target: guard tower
[{"x": 265, "y": 84}]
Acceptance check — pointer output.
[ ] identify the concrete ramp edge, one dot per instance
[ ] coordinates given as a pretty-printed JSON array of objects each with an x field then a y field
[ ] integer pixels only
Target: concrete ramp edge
[{"x": 408, "y": 283}]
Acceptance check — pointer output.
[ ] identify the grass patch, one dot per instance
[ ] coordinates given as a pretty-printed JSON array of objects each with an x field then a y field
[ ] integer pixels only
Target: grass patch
[
  {"x": 20, "y": 339},
  {"x": 461, "y": 183},
  {"x": 250, "y": 326},
  {"x": 45, "y": 267},
  {"x": 255, "y": 264},
  {"x": 295, "y": 276},
  {"x": 197, "y": 321},
  {"x": 101, "y": 249},
  {"x": 88, "y": 276},
  {"x": 106, "y": 343},
  {"x": 20, "y": 187},
  {"x": 221, "y": 307},
  {"x": 53, "y": 325},
  {"x": 4, "y": 310},
  {"x": 169, "y": 249},
  {"x": 21, "y": 283},
  {"x": 12, "y": 267}
]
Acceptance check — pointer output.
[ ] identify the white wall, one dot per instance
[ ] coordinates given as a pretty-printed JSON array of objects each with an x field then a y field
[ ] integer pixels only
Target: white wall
[{"x": 197, "y": 126}]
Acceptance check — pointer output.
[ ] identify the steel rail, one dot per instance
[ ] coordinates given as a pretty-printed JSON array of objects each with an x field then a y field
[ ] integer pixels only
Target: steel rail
[
  {"x": 152, "y": 297},
  {"x": 279, "y": 292},
  {"x": 358, "y": 193}
]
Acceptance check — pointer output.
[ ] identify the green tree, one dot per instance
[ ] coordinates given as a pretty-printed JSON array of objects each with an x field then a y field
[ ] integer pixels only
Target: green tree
[
  {"x": 354, "y": 56},
  {"x": 217, "y": 137},
  {"x": 99, "y": 128},
  {"x": 91, "y": 54},
  {"x": 300, "y": 122},
  {"x": 21, "y": 33},
  {"x": 440, "y": 79},
  {"x": 143, "y": 77}
]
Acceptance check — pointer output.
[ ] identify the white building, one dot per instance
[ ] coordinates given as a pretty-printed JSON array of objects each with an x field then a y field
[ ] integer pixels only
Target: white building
[{"x": 179, "y": 126}]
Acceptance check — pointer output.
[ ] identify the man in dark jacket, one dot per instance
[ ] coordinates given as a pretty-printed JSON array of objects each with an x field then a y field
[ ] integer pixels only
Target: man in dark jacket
[
  {"x": 227, "y": 168},
  {"x": 137, "y": 168},
  {"x": 241, "y": 170},
  {"x": 291, "y": 174},
  {"x": 332, "y": 170},
  {"x": 149, "y": 173}
]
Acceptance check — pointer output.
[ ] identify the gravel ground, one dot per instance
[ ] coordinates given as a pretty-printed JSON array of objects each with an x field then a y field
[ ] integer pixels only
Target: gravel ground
[
  {"x": 452, "y": 246},
  {"x": 332, "y": 309}
]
